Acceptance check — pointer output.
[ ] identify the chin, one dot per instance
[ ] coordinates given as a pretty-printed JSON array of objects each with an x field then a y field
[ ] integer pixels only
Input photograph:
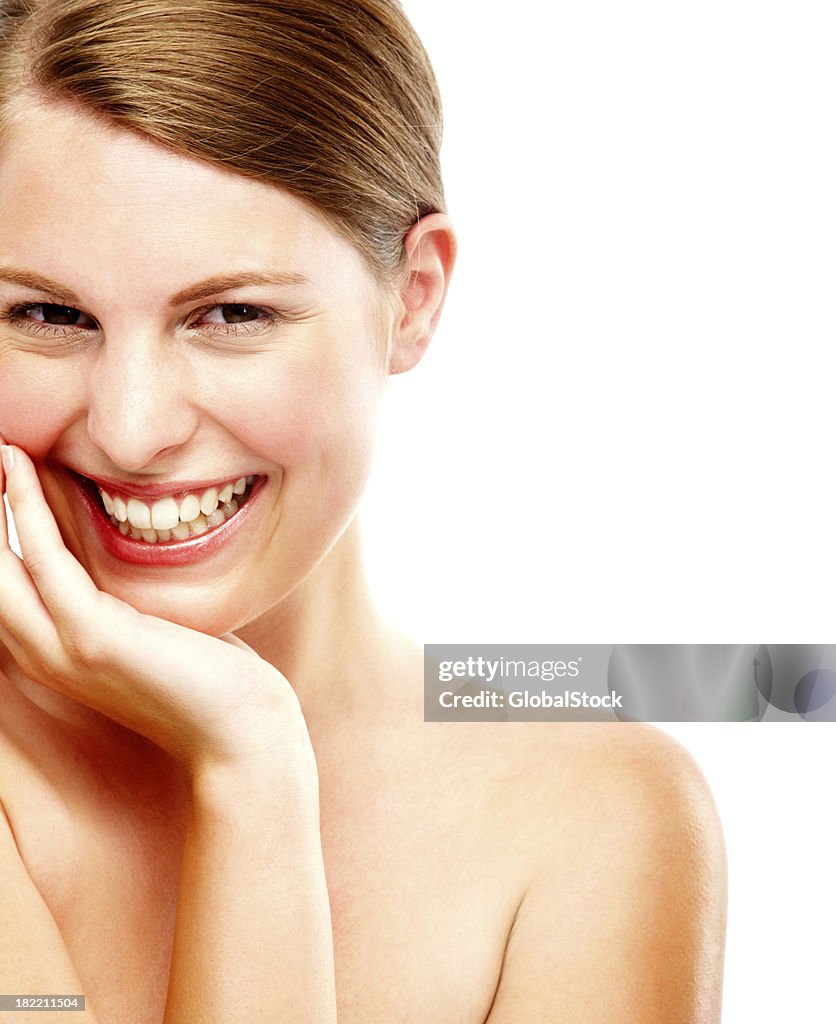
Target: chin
[{"x": 208, "y": 608}]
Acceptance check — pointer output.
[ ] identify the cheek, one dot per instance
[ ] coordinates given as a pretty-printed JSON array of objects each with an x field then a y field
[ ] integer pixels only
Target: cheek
[
  {"x": 318, "y": 426},
  {"x": 36, "y": 404}
]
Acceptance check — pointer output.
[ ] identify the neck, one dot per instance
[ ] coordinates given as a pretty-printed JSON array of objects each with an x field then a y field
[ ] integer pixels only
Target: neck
[{"x": 328, "y": 639}]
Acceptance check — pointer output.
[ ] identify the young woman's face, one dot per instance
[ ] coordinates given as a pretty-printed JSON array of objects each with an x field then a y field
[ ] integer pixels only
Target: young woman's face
[{"x": 169, "y": 334}]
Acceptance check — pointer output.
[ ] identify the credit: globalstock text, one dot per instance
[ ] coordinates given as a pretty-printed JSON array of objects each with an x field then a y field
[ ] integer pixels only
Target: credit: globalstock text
[{"x": 524, "y": 699}]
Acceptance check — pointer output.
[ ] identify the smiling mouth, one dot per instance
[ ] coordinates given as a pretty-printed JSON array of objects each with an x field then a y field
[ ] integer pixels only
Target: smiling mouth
[{"x": 175, "y": 518}]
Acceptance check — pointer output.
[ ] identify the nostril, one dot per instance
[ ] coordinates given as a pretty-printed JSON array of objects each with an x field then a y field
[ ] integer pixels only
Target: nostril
[{"x": 134, "y": 435}]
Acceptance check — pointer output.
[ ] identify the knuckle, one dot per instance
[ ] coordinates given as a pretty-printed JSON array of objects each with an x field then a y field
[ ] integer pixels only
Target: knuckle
[
  {"x": 38, "y": 665},
  {"x": 33, "y": 563},
  {"x": 82, "y": 648}
]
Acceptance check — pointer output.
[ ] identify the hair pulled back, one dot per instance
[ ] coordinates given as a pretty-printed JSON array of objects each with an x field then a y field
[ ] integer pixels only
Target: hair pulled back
[{"x": 333, "y": 100}]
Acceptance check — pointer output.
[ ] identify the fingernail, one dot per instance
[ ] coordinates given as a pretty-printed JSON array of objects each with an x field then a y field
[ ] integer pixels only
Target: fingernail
[{"x": 8, "y": 458}]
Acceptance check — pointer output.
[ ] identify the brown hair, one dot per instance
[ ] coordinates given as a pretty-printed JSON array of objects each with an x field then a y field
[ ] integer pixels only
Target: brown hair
[{"x": 333, "y": 100}]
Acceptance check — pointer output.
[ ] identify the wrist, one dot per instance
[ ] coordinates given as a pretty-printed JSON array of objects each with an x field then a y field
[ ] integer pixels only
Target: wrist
[
  {"x": 267, "y": 774},
  {"x": 266, "y": 732}
]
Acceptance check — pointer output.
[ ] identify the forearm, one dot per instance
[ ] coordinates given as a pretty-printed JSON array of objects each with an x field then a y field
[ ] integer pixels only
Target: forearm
[{"x": 253, "y": 938}]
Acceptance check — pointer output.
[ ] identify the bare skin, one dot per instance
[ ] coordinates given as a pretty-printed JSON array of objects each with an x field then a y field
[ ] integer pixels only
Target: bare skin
[
  {"x": 221, "y": 801},
  {"x": 432, "y": 835}
]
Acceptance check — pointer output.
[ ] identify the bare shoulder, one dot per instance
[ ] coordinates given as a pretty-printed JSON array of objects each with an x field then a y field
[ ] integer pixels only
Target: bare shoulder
[
  {"x": 630, "y": 794},
  {"x": 627, "y": 791},
  {"x": 636, "y": 770},
  {"x": 635, "y": 767},
  {"x": 624, "y": 911}
]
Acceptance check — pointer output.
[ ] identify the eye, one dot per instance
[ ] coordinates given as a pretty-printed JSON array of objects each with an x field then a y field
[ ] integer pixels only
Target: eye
[
  {"x": 235, "y": 322},
  {"x": 53, "y": 315},
  {"x": 233, "y": 313},
  {"x": 60, "y": 316},
  {"x": 50, "y": 327}
]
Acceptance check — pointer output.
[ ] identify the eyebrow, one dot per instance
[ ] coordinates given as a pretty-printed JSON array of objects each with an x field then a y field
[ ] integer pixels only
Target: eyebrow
[
  {"x": 200, "y": 290},
  {"x": 37, "y": 283},
  {"x": 228, "y": 282}
]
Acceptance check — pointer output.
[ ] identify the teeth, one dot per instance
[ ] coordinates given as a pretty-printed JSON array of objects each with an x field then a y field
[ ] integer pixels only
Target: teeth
[
  {"x": 181, "y": 531},
  {"x": 189, "y": 508},
  {"x": 165, "y": 514},
  {"x": 168, "y": 520},
  {"x": 198, "y": 525},
  {"x": 209, "y": 501},
  {"x": 139, "y": 515}
]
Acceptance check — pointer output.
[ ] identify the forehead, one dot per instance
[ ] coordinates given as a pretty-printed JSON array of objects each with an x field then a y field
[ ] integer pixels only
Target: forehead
[{"x": 78, "y": 196}]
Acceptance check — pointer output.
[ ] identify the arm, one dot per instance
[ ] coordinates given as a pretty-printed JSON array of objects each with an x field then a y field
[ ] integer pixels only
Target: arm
[
  {"x": 33, "y": 957},
  {"x": 253, "y": 938},
  {"x": 624, "y": 919},
  {"x": 253, "y": 935}
]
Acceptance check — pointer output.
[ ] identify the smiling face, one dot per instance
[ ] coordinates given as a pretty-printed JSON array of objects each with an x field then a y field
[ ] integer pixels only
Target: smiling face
[{"x": 169, "y": 334}]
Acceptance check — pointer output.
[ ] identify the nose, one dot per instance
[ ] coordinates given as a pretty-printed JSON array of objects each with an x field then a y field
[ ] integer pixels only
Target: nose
[{"x": 140, "y": 405}]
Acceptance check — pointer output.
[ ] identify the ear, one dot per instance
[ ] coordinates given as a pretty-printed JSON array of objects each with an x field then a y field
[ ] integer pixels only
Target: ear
[{"x": 430, "y": 253}]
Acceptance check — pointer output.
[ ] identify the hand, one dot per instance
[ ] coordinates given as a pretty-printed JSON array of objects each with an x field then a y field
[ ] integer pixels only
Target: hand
[{"x": 204, "y": 700}]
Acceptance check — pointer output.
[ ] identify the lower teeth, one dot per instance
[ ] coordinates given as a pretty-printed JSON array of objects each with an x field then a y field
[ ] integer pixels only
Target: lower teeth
[{"x": 183, "y": 531}]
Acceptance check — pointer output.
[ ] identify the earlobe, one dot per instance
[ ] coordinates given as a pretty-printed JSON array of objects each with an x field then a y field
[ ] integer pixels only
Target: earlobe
[{"x": 430, "y": 254}]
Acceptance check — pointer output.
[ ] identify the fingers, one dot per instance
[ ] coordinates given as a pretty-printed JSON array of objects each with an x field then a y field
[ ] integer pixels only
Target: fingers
[
  {"x": 4, "y": 525},
  {"x": 61, "y": 581},
  {"x": 6, "y": 637},
  {"x": 236, "y": 641},
  {"x": 49, "y": 606},
  {"x": 26, "y": 628}
]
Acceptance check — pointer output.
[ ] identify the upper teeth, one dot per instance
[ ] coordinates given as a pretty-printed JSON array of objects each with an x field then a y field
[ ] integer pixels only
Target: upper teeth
[{"x": 168, "y": 513}]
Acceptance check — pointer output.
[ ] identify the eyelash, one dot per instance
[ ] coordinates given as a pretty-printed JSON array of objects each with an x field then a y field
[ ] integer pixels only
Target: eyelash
[{"x": 17, "y": 317}]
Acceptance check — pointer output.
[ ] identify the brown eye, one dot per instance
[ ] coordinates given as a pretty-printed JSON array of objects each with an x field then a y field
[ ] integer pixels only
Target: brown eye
[
  {"x": 237, "y": 314},
  {"x": 60, "y": 316},
  {"x": 235, "y": 319},
  {"x": 232, "y": 313}
]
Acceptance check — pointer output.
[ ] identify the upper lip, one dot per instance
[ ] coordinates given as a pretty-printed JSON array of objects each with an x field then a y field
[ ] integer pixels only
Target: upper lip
[{"x": 146, "y": 492}]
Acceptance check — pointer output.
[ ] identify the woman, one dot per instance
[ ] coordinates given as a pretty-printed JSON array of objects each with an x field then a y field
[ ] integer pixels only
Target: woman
[{"x": 221, "y": 227}]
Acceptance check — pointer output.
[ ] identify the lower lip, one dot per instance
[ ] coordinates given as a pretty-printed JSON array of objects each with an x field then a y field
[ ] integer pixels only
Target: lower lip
[{"x": 138, "y": 552}]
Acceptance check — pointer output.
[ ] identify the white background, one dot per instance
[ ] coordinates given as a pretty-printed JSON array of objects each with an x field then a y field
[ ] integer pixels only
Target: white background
[{"x": 623, "y": 430}]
